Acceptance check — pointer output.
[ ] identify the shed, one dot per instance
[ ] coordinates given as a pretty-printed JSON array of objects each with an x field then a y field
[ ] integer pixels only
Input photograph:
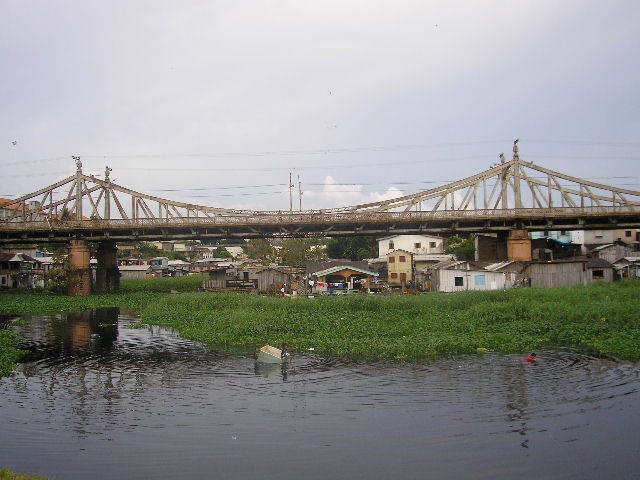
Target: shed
[
  {"x": 612, "y": 251},
  {"x": 600, "y": 269},
  {"x": 451, "y": 279},
  {"x": 342, "y": 278},
  {"x": 628, "y": 267},
  {"x": 135, "y": 272},
  {"x": 270, "y": 279}
]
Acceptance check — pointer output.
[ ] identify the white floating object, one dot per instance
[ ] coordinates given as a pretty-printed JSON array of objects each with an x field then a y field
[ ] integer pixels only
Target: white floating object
[{"x": 269, "y": 354}]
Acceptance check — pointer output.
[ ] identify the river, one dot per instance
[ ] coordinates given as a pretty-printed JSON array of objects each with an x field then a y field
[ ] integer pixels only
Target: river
[{"x": 98, "y": 398}]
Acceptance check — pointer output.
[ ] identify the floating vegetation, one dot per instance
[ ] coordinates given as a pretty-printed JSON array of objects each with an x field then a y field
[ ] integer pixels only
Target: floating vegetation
[
  {"x": 6, "y": 474},
  {"x": 602, "y": 318}
]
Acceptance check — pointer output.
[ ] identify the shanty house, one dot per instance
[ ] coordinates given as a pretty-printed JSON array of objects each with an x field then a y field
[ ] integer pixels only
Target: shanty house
[
  {"x": 573, "y": 271},
  {"x": 135, "y": 272},
  {"x": 342, "y": 279},
  {"x": 628, "y": 267},
  {"x": 271, "y": 279},
  {"x": 459, "y": 275},
  {"x": 612, "y": 251},
  {"x": 19, "y": 270}
]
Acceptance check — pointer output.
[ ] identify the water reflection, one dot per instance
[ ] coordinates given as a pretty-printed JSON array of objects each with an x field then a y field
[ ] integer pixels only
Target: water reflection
[{"x": 97, "y": 388}]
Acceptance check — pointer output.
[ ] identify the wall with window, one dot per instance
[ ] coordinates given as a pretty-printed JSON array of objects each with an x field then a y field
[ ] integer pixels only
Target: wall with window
[
  {"x": 399, "y": 268},
  {"x": 416, "y": 244}
]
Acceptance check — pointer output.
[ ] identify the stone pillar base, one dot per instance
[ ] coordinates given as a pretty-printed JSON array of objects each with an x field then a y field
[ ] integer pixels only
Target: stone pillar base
[
  {"x": 107, "y": 273},
  {"x": 79, "y": 268}
]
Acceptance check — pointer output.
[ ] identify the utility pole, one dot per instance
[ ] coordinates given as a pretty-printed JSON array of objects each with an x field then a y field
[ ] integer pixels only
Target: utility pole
[
  {"x": 300, "y": 192},
  {"x": 290, "y": 194}
]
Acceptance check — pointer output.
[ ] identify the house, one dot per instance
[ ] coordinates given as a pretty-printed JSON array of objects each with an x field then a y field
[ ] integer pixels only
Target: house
[
  {"x": 512, "y": 270},
  {"x": 206, "y": 264},
  {"x": 271, "y": 279},
  {"x": 460, "y": 275},
  {"x": 399, "y": 268},
  {"x": 414, "y": 244},
  {"x": 135, "y": 272},
  {"x": 19, "y": 270},
  {"x": 178, "y": 268},
  {"x": 628, "y": 267},
  {"x": 571, "y": 271},
  {"x": 588, "y": 238},
  {"x": 342, "y": 279},
  {"x": 612, "y": 252}
]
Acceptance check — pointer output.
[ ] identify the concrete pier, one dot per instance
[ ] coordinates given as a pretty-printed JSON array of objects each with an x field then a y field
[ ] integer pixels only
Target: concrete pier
[
  {"x": 107, "y": 273},
  {"x": 79, "y": 268}
]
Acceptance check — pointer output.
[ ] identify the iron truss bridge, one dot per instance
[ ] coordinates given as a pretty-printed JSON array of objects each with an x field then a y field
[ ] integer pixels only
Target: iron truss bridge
[{"x": 513, "y": 194}]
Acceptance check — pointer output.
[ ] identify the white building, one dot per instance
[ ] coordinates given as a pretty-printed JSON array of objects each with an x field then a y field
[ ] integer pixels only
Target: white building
[
  {"x": 416, "y": 244},
  {"x": 459, "y": 275}
]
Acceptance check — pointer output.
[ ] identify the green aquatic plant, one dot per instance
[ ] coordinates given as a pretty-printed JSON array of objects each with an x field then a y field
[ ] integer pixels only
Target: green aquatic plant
[
  {"x": 6, "y": 474},
  {"x": 601, "y": 318}
]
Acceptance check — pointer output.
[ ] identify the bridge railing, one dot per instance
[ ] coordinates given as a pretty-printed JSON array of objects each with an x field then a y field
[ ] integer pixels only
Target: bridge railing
[{"x": 312, "y": 218}]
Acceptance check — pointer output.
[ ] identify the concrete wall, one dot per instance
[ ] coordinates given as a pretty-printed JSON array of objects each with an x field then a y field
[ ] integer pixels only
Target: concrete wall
[
  {"x": 396, "y": 268},
  {"x": 408, "y": 243},
  {"x": 445, "y": 280}
]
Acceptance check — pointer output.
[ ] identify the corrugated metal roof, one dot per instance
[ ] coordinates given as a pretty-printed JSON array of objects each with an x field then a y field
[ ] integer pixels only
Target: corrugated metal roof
[{"x": 337, "y": 268}]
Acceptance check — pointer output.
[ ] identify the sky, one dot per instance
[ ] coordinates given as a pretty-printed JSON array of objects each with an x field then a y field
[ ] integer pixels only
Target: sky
[{"x": 216, "y": 102}]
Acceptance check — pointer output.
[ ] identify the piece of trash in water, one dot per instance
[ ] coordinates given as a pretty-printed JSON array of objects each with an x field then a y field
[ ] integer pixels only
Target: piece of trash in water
[
  {"x": 234, "y": 437},
  {"x": 482, "y": 350},
  {"x": 269, "y": 354},
  {"x": 311, "y": 349}
]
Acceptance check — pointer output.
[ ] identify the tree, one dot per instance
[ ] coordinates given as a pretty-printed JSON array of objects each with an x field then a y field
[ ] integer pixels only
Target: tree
[
  {"x": 462, "y": 248},
  {"x": 298, "y": 251},
  {"x": 261, "y": 249},
  {"x": 353, "y": 248},
  {"x": 221, "y": 252}
]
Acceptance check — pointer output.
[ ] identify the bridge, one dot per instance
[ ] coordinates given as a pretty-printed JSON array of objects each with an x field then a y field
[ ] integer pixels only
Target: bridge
[{"x": 512, "y": 198}]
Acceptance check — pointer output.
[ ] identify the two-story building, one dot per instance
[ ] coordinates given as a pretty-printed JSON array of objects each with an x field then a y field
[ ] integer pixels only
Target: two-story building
[{"x": 414, "y": 244}]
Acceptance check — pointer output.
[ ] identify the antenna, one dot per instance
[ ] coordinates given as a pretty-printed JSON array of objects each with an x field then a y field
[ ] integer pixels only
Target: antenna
[
  {"x": 290, "y": 195},
  {"x": 300, "y": 192}
]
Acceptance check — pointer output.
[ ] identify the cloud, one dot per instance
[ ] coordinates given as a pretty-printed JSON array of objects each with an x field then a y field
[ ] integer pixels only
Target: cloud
[{"x": 334, "y": 194}]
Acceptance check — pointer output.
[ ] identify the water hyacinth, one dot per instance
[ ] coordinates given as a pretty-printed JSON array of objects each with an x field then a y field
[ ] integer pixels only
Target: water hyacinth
[{"x": 601, "y": 318}]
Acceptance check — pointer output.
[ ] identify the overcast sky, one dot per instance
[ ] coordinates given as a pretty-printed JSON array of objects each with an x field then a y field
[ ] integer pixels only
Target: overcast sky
[{"x": 186, "y": 99}]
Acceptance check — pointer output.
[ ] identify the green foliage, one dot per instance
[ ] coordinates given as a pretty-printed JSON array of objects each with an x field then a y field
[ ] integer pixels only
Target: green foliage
[
  {"x": 8, "y": 353},
  {"x": 6, "y": 474},
  {"x": 462, "y": 248},
  {"x": 65, "y": 214},
  {"x": 221, "y": 252},
  {"x": 190, "y": 283},
  {"x": 298, "y": 251},
  {"x": 352, "y": 248},
  {"x": 601, "y": 318},
  {"x": 261, "y": 249}
]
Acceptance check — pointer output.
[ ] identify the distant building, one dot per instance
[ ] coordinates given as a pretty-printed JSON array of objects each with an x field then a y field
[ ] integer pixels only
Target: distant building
[
  {"x": 342, "y": 279},
  {"x": 19, "y": 270},
  {"x": 399, "y": 268},
  {"x": 572, "y": 271},
  {"x": 415, "y": 244},
  {"x": 460, "y": 275},
  {"x": 612, "y": 252},
  {"x": 628, "y": 267},
  {"x": 135, "y": 272}
]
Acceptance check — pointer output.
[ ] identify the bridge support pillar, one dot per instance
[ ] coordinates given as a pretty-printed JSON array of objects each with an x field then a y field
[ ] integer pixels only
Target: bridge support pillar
[
  {"x": 79, "y": 268},
  {"x": 519, "y": 246},
  {"x": 107, "y": 273}
]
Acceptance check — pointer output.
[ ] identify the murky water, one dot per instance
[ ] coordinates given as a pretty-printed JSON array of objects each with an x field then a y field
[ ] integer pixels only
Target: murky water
[{"x": 100, "y": 399}]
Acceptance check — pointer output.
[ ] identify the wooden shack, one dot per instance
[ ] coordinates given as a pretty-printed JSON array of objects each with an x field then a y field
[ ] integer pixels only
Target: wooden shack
[
  {"x": 567, "y": 272},
  {"x": 271, "y": 279}
]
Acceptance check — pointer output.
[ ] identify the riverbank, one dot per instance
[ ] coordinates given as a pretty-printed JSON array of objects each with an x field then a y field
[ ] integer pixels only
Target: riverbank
[
  {"x": 6, "y": 474},
  {"x": 602, "y": 319}
]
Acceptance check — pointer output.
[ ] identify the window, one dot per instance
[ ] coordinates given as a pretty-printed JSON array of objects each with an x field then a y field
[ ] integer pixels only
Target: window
[
  {"x": 4, "y": 280},
  {"x": 598, "y": 274},
  {"x": 402, "y": 258},
  {"x": 394, "y": 275},
  {"x": 627, "y": 233},
  {"x": 563, "y": 232},
  {"x": 458, "y": 281},
  {"x": 479, "y": 280},
  {"x": 417, "y": 245},
  {"x": 390, "y": 245},
  {"x": 392, "y": 259},
  {"x": 432, "y": 244}
]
